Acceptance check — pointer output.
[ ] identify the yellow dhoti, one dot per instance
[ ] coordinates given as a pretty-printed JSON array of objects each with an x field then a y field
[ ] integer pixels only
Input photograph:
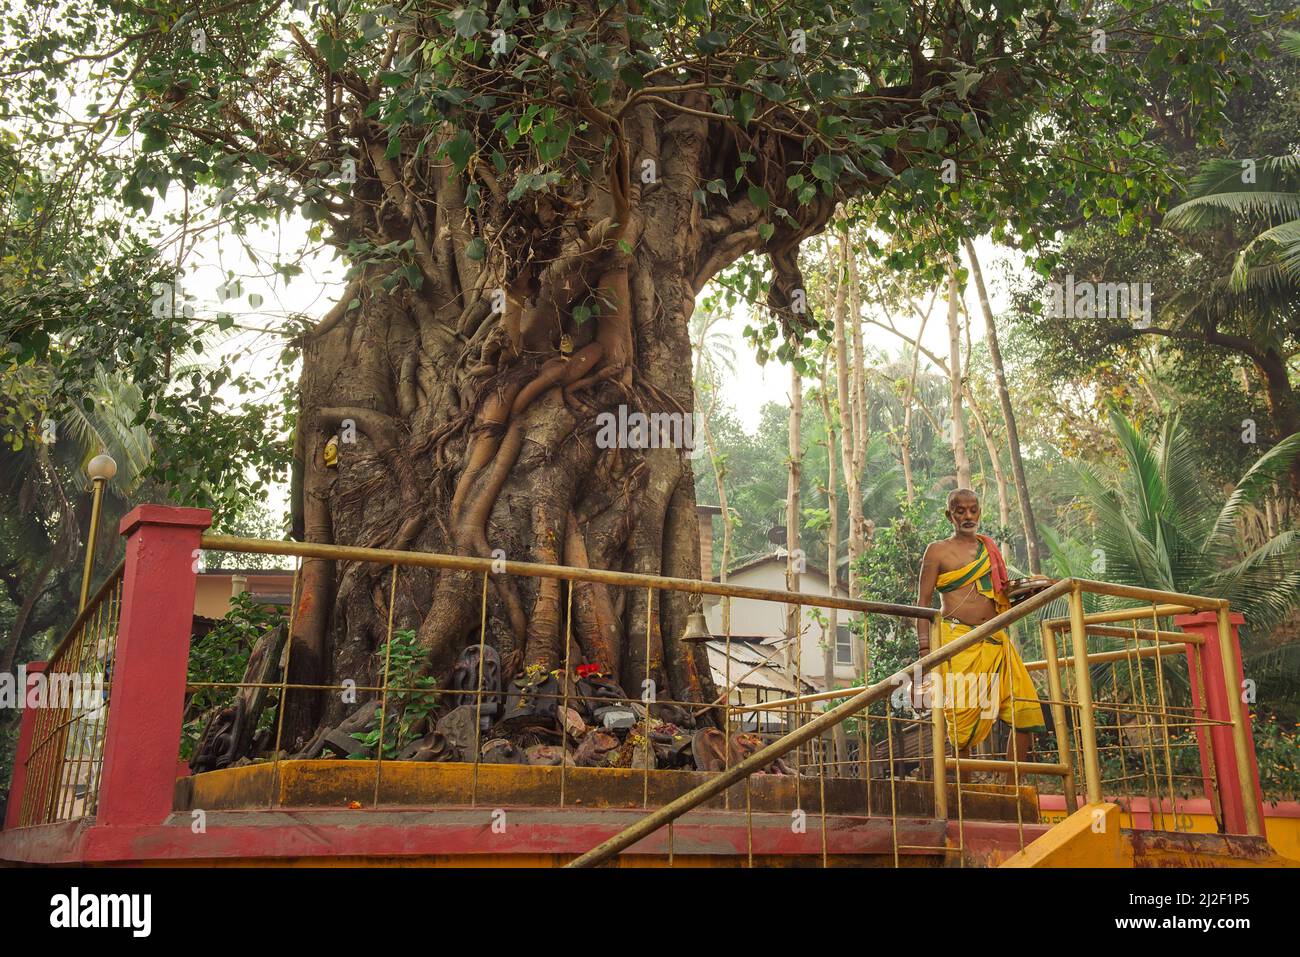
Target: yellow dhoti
[{"x": 985, "y": 682}]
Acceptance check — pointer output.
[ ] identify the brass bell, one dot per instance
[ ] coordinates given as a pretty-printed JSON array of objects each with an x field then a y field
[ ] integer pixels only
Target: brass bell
[{"x": 697, "y": 629}]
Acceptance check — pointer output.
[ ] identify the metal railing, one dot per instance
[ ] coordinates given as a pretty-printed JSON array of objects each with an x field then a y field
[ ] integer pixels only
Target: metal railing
[
  {"x": 657, "y": 715},
  {"x": 1080, "y": 744},
  {"x": 1113, "y": 726},
  {"x": 66, "y": 757},
  {"x": 1075, "y": 696}
]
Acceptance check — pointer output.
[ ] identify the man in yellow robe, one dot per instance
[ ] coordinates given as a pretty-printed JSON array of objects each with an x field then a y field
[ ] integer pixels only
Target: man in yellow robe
[{"x": 988, "y": 680}]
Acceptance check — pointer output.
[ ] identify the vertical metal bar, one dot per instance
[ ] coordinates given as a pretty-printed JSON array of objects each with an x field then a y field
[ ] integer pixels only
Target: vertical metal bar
[
  {"x": 1015, "y": 759},
  {"x": 650, "y": 751},
  {"x": 1083, "y": 683},
  {"x": 478, "y": 701},
  {"x": 1133, "y": 660},
  {"x": 272, "y": 798},
  {"x": 1059, "y": 719},
  {"x": 821, "y": 775},
  {"x": 1119, "y": 731},
  {"x": 568, "y": 672},
  {"x": 1241, "y": 743},
  {"x": 798, "y": 690},
  {"x": 893, "y": 785},
  {"x": 88, "y": 568},
  {"x": 726, "y": 702},
  {"x": 957, "y": 782},
  {"x": 939, "y": 747},
  {"x": 1164, "y": 718},
  {"x": 1148, "y": 760},
  {"x": 383, "y": 695}
]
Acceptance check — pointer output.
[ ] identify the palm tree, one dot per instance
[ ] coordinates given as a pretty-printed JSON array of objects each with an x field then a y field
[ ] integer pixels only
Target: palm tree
[
  {"x": 47, "y": 490},
  {"x": 1160, "y": 525},
  {"x": 1269, "y": 207},
  {"x": 1272, "y": 200}
]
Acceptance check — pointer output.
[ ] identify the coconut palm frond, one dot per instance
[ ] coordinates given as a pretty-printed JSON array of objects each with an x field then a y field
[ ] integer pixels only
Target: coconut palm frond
[
  {"x": 1144, "y": 472},
  {"x": 1181, "y": 473},
  {"x": 1259, "y": 204},
  {"x": 1068, "y": 557},
  {"x": 1214, "y": 176},
  {"x": 1189, "y": 543},
  {"x": 1258, "y": 479},
  {"x": 1281, "y": 243},
  {"x": 1264, "y": 586},
  {"x": 1275, "y": 671}
]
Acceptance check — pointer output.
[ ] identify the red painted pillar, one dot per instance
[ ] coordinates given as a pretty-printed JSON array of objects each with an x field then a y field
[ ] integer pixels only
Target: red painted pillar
[
  {"x": 26, "y": 729},
  {"x": 1217, "y": 740},
  {"x": 143, "y": 732}
]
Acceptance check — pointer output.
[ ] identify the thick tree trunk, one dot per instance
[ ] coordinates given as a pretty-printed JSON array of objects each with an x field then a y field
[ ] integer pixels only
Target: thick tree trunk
[{"x": 470, "y": 431}]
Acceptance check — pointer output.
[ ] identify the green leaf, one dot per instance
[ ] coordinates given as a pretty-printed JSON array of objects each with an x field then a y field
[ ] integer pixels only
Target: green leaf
[
  {"x": 469, "y": 22},
  {"x": 557, "y": 18},
  {"x": 476, "y": 249},
  {"x": 711, "y": 42}
]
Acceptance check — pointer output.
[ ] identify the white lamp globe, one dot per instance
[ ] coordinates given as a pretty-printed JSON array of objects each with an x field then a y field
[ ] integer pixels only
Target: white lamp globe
[{"x": 101, "y": 467}]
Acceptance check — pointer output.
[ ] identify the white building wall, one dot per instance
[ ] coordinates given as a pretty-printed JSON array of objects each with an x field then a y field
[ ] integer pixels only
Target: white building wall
[{"x": 767, "y": 618}]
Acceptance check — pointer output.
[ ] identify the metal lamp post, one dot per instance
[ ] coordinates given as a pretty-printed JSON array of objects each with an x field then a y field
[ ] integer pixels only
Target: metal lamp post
[{"x": 100, "y": 469}]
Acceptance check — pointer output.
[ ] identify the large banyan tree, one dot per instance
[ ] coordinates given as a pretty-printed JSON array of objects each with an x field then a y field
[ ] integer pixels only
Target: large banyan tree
[{"x": 531, "y": 196}]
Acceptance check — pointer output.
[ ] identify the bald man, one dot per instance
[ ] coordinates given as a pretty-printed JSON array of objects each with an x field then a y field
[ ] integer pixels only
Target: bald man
[{"x": 988, "y": 680}]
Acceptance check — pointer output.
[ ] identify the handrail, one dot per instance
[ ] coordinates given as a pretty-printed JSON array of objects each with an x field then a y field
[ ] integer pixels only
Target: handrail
[
  {"x": 1096, "y": 657},
  {"x": 91, "y": 607},
  {"x": 760, "y": 759},
  {"x": 1149, "y": 595},
  {"x": 388, "y": 556},
  {"x": 1159, "y": 604}
]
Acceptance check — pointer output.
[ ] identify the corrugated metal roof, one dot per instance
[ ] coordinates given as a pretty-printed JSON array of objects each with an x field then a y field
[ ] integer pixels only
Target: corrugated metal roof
[{"x": 769, "y": 676}]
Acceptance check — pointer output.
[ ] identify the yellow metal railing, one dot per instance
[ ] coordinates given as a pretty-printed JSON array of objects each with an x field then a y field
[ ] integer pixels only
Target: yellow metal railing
[
  {"x": 1079, "y": 737},
  {"x": 646, "y": 586},
  {"x": 67, "y": 750},
  {"x": 1087, "y": 712}
]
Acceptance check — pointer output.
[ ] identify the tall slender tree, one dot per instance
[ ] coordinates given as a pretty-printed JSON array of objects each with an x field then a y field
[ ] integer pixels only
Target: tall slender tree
[
  {"x": 956, "y": 423},
  {"x": 1008, "y": 413}
]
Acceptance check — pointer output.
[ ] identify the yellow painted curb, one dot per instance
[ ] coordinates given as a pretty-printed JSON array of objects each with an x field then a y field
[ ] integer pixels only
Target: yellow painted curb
[{"x": 1090, "y": 837}]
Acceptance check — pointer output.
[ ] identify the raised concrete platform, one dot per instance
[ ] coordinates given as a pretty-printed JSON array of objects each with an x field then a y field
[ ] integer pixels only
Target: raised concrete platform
[
  {"x": 337, "y": 783},
  {"x": 226, "y": 817}
]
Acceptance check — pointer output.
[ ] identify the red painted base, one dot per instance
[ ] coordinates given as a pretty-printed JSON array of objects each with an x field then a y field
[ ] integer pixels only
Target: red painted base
[{"x": 496, "y": 836}]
